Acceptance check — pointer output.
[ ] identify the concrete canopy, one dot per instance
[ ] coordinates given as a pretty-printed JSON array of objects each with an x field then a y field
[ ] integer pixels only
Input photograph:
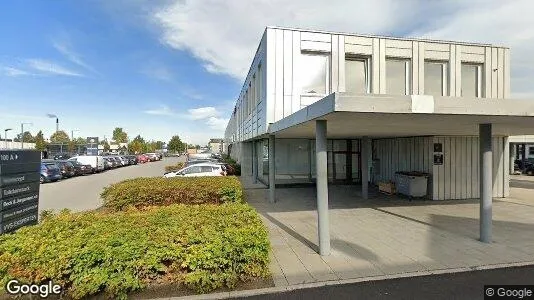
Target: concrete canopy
[{"x": 350, "y": 116}]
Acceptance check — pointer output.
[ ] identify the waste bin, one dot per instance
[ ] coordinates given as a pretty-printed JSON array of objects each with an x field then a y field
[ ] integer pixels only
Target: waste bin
[{"x": 412, "y": 184}]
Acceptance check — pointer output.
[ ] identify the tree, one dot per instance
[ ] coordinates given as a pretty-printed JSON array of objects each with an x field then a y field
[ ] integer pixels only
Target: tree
[
  {"x": 158, "y": 145},
  {"x": 80, "y": 141},
  {"x": 71, "y": 146},
  {"x": 140, "y": 139},
  {"x": 40, "y": 143},
  {"x": 27, "y": 137},
  {"x": 119, "y": 135},
  {"x": 136, "y": 146},
  {"x": 106, "y": 145},
  {"x": 60, "y": 137},
  {"x": 197, "y": 147},
  {"x": 176, "y": 144}
]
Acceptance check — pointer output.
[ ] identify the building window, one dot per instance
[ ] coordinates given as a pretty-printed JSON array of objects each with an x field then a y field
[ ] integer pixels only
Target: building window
[
  {"x": 314, "y": 75},
  {"x": 398, "y": 76},
  {"x": 436, "y": 78},
  {"x": 530, "y": 150},
  {"x": 471, "y": 80},
  {"x": 357, "y": 75}
]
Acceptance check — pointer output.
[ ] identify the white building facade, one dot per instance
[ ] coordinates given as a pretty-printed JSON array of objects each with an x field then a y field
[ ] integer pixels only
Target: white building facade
[{"x": 391, "y": 104}]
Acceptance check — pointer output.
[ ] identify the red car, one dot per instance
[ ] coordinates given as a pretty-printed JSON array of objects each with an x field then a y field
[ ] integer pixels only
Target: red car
[{"x": 141, "y": 158}]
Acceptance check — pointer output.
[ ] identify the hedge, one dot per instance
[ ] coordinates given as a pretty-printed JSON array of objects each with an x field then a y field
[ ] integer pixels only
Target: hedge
[
  {"x": 202, "y": 247},
  {"x": 175, "y": 167},
  {"x": 143, "y": 192}
]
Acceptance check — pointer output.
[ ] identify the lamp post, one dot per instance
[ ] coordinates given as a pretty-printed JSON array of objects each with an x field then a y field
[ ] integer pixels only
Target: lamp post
[
  {"x": 52, "y": 116},
  {"x": 22, "y": 133},
  {"x": 5, "y": 134}
]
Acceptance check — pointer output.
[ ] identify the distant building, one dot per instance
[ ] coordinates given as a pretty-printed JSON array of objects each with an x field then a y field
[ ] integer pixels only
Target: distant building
[{"x": 216, "y": 145}]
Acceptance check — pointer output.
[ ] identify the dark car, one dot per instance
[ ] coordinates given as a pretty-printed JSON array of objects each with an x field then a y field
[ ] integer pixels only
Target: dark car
[
  {"x": 50, "y": 172},
  {"x": 80, "y": 169},
  {"x": 66, "y": 167},
  {"x": 529, "y": 169},
  {"x": 518, "y": 165},
  {"x": 118, "y": 161},
  {"x": 109, "y": 163},
  {"x": 62, "y": 156},
  {"x": 133, "y": 159}
]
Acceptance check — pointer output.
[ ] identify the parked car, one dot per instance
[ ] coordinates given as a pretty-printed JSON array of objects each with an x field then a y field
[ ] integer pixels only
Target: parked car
[
  {"x": 198, "y": 161},
  {"x": 66, "y": 167},
  {"x": 118, "y": 161},
  {"x": 141, "y": 158},
  {"x": 50, "y": 172},
  {"x": 96, "y": 162},
  {"x": 530, "y": 169},
  {"x": 132, "y": 159},
  {"x": 80, "y": 169},
  {"x": 62, "y": 156},
  {"x": 202, "y": 169},
  {"x": 124, "y": 161},
  {"x": 109, "y": 163},
  {"x": 152, "y": 156}
]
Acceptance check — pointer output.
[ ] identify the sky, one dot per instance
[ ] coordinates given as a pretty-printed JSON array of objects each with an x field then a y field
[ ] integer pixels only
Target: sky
[{"x": 160, "y": 68}]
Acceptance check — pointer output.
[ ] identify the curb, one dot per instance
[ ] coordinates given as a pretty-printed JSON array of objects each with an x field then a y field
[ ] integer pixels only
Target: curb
[{"x": 281, "y": 289}]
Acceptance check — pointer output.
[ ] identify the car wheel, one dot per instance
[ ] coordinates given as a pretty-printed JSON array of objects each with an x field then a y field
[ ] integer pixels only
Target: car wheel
[{"x": 42, "y": 179}]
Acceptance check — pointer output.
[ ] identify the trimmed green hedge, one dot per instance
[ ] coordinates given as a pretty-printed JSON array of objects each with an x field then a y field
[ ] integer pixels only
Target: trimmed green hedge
[
  {"x": 202, "y": 247},
  {"x": 143, "y": 192},
  {"x": 175, "y": 167}
]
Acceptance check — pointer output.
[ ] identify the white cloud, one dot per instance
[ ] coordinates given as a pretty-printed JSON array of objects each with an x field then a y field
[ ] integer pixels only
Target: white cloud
[
  {"x": 203, "y": 113},
  {"x": 50, "y": 67},
  {"x": 225, "y": 34},
  {"x": 15, "y": 72},
  {"x": 161, "y": 111},
  {"x": 71, "y": 55},
  {"x": 217, "y": 123}
]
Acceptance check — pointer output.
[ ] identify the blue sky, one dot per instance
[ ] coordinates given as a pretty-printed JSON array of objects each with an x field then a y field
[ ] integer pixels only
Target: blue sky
[
  {"x": 96, "y": 71},
  {"x": 164, "y": 67}
]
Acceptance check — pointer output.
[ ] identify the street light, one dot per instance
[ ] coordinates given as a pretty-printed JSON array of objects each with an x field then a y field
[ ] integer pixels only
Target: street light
[
  {"x": 22, "y": 133},
  {"x": 5, "y": 134},
  {"x": 52, "y": 116}
]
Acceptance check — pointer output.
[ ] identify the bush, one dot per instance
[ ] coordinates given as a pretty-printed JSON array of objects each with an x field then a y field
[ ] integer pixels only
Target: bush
[
  {"x": 202, "y": 247},
  {"x": 143, "y": 192},
  {"x": 237, "y": 167},
  {"x": 175, "y": 167}
]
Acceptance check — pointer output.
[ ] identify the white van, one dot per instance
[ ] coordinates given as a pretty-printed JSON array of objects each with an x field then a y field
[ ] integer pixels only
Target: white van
[{"x": 97, "y": 163}]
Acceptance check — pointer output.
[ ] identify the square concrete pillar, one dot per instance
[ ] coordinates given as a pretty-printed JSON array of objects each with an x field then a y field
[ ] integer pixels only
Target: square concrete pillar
[
  {"x": 322, "y": 187},
  {"x": 272, "y": 171},
  {"x": 254, "y": 163},
  {"x": 486, "y": 182},
  {"x": 366, "y": 147}
]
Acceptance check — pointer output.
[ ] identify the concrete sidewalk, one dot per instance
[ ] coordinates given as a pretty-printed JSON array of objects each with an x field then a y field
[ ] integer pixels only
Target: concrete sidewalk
[{"x": 386, "y": 236}]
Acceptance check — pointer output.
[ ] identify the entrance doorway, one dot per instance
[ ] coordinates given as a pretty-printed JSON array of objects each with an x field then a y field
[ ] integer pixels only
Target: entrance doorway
[{"x": 344, "y": 161}]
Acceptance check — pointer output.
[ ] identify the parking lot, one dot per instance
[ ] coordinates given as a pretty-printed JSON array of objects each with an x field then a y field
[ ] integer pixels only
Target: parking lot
[{"x": 83, "y": 192}]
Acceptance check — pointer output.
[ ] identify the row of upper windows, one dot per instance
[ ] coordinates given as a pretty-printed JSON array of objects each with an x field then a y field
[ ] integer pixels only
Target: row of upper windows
[
  {"x": 251, "y": 96},
  {"x": 314, "y": 76}
]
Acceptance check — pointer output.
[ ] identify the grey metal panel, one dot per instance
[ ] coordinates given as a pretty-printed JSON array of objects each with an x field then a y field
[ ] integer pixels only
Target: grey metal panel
[
  {"x": 334, "y": 64},
  {"x": 279, "y": 77},
  {"x": 487, "y": 73},
  {"x": 382, "y": 66},
  {"x": 469, "y": 167},
  {"x": 459, "y": 168},
  {"x": 453, "y": 168},
  {"x": 494, "y": 71},
  {"x": 288, "y": 72},
  {"x": 475, "y": 172},
  {"x": 420, "y": 70},
  {"x": 506, "y": 173},
  {"x": 447, "y": 168},
  {"x": 457, "y": 75},
  {"x": 270, "y": 75},
  {"x": 500, "y": 73},
  {"x": 376, "y": 67},
  {"x": 312, "y": 36},
  {"x": 415, "y": 64},
  {"x": 296, "y": 68},
  {"x": 506, "y": 73},
  {"x": 341, "y": 62},
  {"x": 452, "y": 71},
  {"x": 316, "y": 46}
]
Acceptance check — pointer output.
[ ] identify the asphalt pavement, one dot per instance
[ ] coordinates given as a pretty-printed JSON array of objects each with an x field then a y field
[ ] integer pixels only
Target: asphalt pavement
[
  {"x": 83, "y": 192},
  {"x": 466, "y": 285}
]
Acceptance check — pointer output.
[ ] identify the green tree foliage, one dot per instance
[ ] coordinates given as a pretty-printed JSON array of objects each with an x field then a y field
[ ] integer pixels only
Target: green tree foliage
[
  {"x": 80, "y": 141},
  {"x": 136, "y": 146},
  {"x": 27, "y": 137},
  {"x": 40, "y": 143},
  {"x": 119, "y": 135},
  {"x": 59, "y": 137},
  {"x": 106, "y": 145},
  {"x": 176, "y": 144}
]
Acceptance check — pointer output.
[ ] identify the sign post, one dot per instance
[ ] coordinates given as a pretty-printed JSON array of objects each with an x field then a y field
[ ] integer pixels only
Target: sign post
[
  {"x": 19, "y": 189},
  {"x": 92, "y": 145}
]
